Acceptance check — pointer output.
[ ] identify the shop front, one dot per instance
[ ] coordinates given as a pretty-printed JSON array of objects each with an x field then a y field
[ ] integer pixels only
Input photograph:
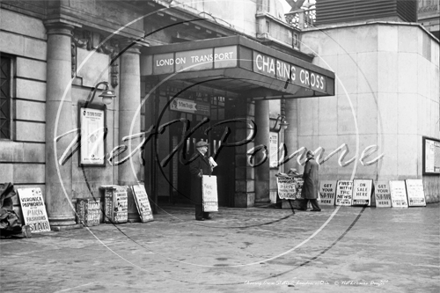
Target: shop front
[{"x": 219, "y": 90}]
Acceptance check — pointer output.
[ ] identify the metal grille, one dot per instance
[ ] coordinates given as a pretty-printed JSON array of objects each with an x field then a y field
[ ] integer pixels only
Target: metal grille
[{"x": 5, "y": 98}]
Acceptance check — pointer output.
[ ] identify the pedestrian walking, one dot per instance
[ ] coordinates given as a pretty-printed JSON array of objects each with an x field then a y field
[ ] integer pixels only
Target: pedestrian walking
[
  {"x": 199, "y": 166},
  {"x": 310, "y": 187}
]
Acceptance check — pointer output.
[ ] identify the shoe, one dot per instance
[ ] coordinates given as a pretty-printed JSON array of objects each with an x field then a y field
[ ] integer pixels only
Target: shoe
[
  {"x": 200, "y": 219},
  {"x": 315, "y": 210},
  {"x": 208, "y": 218}
]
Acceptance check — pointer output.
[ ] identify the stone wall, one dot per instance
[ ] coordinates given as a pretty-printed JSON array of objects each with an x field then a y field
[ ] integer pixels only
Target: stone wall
[
  {"x": 22, "y": 159},
  {"x": 387, "y": 95}
]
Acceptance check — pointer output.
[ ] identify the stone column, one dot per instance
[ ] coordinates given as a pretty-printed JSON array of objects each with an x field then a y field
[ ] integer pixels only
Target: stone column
[
  {"x": 59, "y": 120},
  {"x": 262, "y": 172},
  {"x": 130, "y": 121},
  {"x": 291, "y": 133}
]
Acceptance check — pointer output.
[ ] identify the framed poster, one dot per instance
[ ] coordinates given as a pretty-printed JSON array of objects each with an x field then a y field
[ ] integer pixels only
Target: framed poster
[
  {"x": 416, "y": 196},
  {"x": 398, "y": 194},
  {"x": 92, "y": 124},
  {"x": 382, "y": 194},
  {"x": 209, "y": 193},
  {"x": 327, "y": 191},
  {"x": 431, "y": 156},
  {"x": 273, "y": 150},
  {"x": 344, "y": 193},
  {"x": 362, "y": 190},
  {"x": 33, "y": 209},
  {"x": 142, "y": 203}
]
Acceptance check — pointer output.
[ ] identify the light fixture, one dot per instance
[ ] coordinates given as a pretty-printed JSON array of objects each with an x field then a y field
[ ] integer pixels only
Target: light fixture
[
  {"x": 107, "y": 95},
  {"x": 280, "y": 122}
]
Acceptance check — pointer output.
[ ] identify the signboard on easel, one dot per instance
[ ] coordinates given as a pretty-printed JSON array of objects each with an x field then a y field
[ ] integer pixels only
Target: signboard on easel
[
  {"x": 382, "y": 194},
  {"x": 286, "y": 188},
  {"x": 142, "y": 203},
  {"x": 416, "y": 196},
  {"x": 344, "y": 193},
  {"x": 33, "y": 208},
  {"x": 398, "y": 194},
  {"x": 362, "y": 189},
  {"x": 209, "y": 193}
]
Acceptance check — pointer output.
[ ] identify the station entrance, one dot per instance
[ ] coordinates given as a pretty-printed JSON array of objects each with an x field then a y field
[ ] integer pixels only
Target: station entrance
[{"x": 188, "y": 116}]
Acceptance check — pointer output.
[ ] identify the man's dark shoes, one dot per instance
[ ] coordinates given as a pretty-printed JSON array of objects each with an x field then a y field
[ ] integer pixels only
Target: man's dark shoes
[
  {"x": 200, "y": 219},
  {"x": 315, "y": 210},
  {"x": 208, "y": 218}
]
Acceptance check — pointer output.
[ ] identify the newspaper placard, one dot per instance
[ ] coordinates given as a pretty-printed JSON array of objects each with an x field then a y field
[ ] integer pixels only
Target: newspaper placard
[
  {"x": 416, "y": 196},
  {"x": 286, "y": 188},
  {"x": 107, "y": 202},
  {"x": 88, "y": 211},
  {"x": 382, "y": 194},
  {"x": 34, "y": 210},
  {"x": 327, "y": 191},
  {"x": 142, "y": 203},
  {"x": 344, "y": 192},
  {"x": 362, "y": 190},
  {"x": 120, "y": 205},
  {"x": 398, "y": 194},
  {"x": 209, "y": 193}
]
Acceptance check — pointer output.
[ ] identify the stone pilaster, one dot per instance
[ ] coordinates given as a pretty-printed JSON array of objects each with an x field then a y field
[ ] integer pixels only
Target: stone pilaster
[
  {"x": 130, "y": 121},
  {"x": 59, "y": 120}
]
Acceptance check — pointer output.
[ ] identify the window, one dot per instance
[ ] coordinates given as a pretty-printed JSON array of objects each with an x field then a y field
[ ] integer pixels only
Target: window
[{"x": 5, "y": 98}]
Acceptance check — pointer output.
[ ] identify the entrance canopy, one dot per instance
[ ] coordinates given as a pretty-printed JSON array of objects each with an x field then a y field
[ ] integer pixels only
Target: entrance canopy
[{"x": 240, "y": 65}]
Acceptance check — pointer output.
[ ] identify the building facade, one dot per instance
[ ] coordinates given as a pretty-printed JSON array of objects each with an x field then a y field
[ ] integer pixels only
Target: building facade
[{"x": 367, "y": 90}]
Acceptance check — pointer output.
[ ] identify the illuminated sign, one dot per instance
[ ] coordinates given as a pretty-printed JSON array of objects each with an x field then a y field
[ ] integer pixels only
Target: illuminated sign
[{"x": 190, "y": 106}]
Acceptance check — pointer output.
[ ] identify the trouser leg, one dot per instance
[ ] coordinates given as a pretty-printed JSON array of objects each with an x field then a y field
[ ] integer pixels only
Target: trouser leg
[
  {"x": 315, "y": 204},
  {"x": 199, "y": 211}
]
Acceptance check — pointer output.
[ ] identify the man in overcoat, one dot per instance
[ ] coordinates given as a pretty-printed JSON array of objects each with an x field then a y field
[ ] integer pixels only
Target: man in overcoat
[
  {"x": 310, "y": 188},
  {"x": 198, "y": 167}
]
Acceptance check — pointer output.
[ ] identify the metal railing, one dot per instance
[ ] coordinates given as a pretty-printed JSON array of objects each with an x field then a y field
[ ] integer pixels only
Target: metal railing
[{"x": 301, "y": 18}]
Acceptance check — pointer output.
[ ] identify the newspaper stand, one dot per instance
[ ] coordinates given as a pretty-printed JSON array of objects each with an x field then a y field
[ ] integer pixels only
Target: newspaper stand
[{"x": 289, "y": 189}]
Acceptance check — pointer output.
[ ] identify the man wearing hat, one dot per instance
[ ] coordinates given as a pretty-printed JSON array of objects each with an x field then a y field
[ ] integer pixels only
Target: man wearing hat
[
  {"x": 198, "y": 167},
  {"x": 310, "y": 187}
]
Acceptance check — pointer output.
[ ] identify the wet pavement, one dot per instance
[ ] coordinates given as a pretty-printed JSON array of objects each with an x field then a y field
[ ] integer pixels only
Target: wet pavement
[{"x": 340, "y": 249}]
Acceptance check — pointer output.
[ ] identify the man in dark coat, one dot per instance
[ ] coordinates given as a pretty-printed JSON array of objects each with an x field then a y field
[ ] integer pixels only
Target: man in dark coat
[
  {"x": 198, "y": 167},
  {"x": 310, "y": 188}
]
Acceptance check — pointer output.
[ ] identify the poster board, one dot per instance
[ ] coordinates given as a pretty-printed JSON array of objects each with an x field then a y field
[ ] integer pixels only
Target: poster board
[
  {"x": 344, "y": 193},
  {"x": 362, "y": 190},
  {"x": 88, "y": 211},
  {"x": 142, "y": 203},
  {"x": 382, "y": 194},
  {"x": 209, "y": 193},
  {"x": 327, "y": 191},
  {"x": 120, "y": 205},
  {"x": 92, "y": 126},
  {"x": 416, "y": 195},
  {"x": 398, "y": 194},
  {"x": 286, "y": 188},
  {"x": 34, "y": 209},
  {"x": 273, "y": 150}
]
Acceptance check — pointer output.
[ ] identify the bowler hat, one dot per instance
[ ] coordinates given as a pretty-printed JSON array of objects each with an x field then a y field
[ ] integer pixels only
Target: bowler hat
[{"x": 201, "y": 144}]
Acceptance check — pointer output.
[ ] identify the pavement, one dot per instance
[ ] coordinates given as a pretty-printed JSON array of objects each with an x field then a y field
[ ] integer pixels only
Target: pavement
[{"x": 340, "y": 249}]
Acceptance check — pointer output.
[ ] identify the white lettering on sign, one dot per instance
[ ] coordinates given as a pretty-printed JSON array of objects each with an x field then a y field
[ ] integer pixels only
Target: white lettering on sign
[
  {"x": 270, "y": 66},
  {"x": 170, "y": 61},
  {"x": 265, "y": 64}
]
